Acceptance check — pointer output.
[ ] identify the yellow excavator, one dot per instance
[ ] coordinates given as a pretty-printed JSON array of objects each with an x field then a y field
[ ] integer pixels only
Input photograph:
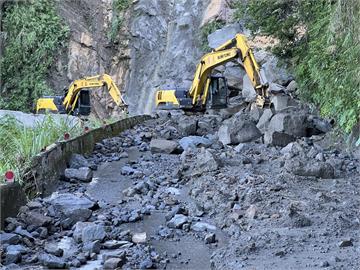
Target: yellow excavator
[
  {"x": 76, "y": 100},
  {"x": 211, "y": 91}
]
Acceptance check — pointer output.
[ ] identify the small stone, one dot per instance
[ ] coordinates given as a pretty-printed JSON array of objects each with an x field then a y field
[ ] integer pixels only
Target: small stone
[
  {"x": 251, "y": 212},
  {"x": 138, "y": 238},
  {"x": 177, "y": 221},
  {"x": 114, "y": 244},
  {"x": 54, "y": 250},
  {"x": 210, "y": 238},
  {"x": 75, "y": 263},
  {"x": 325, "y": 264},
  {"x": 346, "y": 243},
  {"x": 202, "y": 227},
  {"x": 146, "y": 264}
]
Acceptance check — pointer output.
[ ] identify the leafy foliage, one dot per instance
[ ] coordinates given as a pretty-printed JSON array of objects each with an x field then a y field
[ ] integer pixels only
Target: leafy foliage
[
  {"x": 34, "y": 33},
  {"x": 119, "y": 7},
  {"x": 18, "y": 144},
  {"x": 206, "y": 30},
  {"x": 320, "y": 38}
]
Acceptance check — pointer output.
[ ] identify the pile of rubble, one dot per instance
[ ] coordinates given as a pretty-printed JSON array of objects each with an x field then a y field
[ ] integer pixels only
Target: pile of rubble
[{"x": 249, "y": 187}]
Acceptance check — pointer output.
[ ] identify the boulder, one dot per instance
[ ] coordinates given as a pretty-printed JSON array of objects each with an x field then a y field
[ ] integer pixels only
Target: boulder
[
  {"x": 163, "y": 146},
  {"x": 71, "y": 206},
  {"x": 93, "y": 232},
  {"x": 286, "y": 127},
  {"x": 292, "y": 87},
  {"x": 13, "y": 256},
  {"x": 77, "y": 161},
  {"x": 274, "y": 72},
  {"x": 84, "y": 174},
  {"x": 187, "y": 125},
  {"x": 248, "y": 91},
  {"x": 206, "y": 162},
  {"x": 234, "y": 75},
  {"x": 224, "y": 34},
  {"x": 194, "y": 141},
  {"x": 315, "y": 169},
  {"x": 54, "y": 249},
  {"x": 9, "y": 238},
  {"x": 114, "y": 263},
  {"x": 202, "y": 227},
  {"x": 276, "y": 89},
  {"x": 177, "y": 221},
  {"x": 92, "y": 247},
  {"x": 51, "y": 261},
  {"x": 215, "y": 11},
  {"x": 280, "y": 102},
  {"x": 238, "y": 129},
  {"x": 208, "y": 124},
  {"x": 37, "y": 219},
  {"x": 278, "y": 138},
  {"x": 138, "y": 238},
  {"x": 264, "y": 120}
]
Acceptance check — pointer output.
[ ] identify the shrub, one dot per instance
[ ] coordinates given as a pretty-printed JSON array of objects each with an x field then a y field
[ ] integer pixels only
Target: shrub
[{"x": 34, "y": 33}]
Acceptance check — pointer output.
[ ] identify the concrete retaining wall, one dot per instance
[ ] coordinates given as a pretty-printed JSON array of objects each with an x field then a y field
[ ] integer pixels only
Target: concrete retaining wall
[{"x": 47, "y": 167}]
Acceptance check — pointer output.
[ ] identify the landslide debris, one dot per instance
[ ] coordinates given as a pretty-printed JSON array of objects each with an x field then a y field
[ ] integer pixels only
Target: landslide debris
[{"x": 177, "y": 183}]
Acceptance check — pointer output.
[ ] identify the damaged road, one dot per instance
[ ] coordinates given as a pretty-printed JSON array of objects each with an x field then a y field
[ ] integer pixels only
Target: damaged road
[{"x": 249, "y": 190}]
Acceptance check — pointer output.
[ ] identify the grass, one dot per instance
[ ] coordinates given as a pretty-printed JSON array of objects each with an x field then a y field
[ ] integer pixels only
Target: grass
[{"x": 18, "y": 144}]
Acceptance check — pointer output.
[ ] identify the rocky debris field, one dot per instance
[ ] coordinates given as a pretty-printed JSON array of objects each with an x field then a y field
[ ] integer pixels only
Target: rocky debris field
[{"x": 240, "y": 188}]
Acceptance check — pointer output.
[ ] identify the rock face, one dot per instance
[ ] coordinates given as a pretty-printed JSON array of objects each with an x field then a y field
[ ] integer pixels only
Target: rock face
[
  {"x": 156, "y": 45},
  {"x": 238, "y": 129}
]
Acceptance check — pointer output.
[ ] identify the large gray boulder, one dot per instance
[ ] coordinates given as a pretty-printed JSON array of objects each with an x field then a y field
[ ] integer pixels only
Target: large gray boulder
[
  {"x": 163, "y": 146},
  {"x": 248, "y": 91},
  {"x": 238, "y": 129},
  {"x": 71, "y": 206},
  {"x": 234, "y": 75},
  {"x": 285, "y": 128},
  {"x": 274, "y": 72},
  {"x": 224, "y": 34}
]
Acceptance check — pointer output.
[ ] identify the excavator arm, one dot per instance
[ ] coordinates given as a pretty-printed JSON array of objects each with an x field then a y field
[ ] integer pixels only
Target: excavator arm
[
  {"x": 68, "y": 103},
  {"x": 234, "y": 49},
  {"x": 72, "y": 95}
]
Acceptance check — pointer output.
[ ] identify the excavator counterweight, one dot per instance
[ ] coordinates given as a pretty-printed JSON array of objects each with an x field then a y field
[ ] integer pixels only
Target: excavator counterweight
[{"x": 211, "y": 91}]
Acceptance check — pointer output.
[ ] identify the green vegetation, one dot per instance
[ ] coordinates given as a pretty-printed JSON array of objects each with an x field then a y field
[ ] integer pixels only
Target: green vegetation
[
  {"x": 119, "y": 7},
  {"x": 18, "y": 144},
  {"x": 321, "y": 41},
  {"x": 206, "y": 30},
  {"x": 34, "y": 34}
]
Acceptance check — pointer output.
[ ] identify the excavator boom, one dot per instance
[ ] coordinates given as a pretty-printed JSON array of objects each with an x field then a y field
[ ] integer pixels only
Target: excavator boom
[{"x": 202, "y": 87}]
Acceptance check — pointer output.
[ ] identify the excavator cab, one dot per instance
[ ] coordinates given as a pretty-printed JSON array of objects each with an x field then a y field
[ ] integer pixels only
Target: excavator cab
[
  {"x": 83, "y": 106},
  {"x": 218, "y": 92}
]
